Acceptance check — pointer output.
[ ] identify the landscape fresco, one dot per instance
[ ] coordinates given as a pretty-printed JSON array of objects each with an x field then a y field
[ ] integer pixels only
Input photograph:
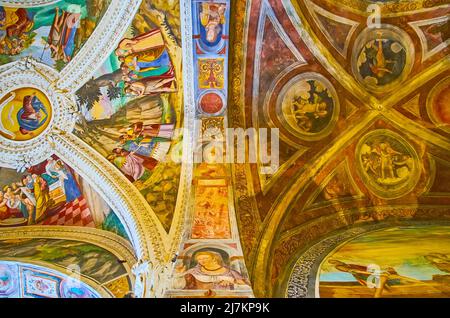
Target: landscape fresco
[
  {"x": 396, "y": 262},
  {"x": 94, "y": 261}
]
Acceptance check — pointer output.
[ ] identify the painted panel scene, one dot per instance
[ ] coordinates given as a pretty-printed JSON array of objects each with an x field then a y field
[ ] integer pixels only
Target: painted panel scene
[
  {"x": 51, "y": 193},
  {"x": 51, "y": 34},
  {"x": 132, "y": 106},
  {"x": 225, "y": 149},
  {"x": 397, "y": 262}
]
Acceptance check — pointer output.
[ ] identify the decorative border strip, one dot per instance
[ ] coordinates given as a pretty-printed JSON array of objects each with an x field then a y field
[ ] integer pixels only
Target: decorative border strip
[{"x": 192, "y": 53}]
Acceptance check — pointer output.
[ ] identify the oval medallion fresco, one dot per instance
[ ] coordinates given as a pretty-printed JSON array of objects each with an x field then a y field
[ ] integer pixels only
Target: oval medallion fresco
[
  {"x": 388, "y": 165},
  {"x": 438, "y": 104},
  {"x": 25, "y": 113},
  {"x": 382, "y": 58},
  {"x": 309, "y": 105}
]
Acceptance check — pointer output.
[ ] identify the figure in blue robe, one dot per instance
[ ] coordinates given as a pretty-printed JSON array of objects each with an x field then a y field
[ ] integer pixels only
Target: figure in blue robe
[
  {"x": 32, "y": 115},
  {"x": 71, "y": 188}
]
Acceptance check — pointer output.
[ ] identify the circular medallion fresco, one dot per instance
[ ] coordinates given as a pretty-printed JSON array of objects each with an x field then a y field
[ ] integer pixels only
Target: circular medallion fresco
[
  {"x": 308, "y": 104},
  {"x": 25, "y": 113},
  {"x": 388, "y": 165},
  {"x": 438, "y": 104},
  {"x": 211, "y": 103},
  {"x": 382, "y": 57}
]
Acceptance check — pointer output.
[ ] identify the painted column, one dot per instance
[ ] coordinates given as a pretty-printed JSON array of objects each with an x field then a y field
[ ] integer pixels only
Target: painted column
[{"x": 210, "y": 262}]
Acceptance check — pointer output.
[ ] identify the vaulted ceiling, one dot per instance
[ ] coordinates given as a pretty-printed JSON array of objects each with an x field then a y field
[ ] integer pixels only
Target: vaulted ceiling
[
  {"x": 63, "y": 111},
  {"x": 93, "y": 94},
  {"x": 360, "y": 110}
]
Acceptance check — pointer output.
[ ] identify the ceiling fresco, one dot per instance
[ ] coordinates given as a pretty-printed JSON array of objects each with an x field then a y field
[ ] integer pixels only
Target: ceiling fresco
[
  {"x": 52, "y": 34},
  {"x": 361, "y": 114},
  {"x": 26, "y": 112},
  {"x": 91, "y": 102},
  {"x": 132, "y": 106},
  {"x": 93, "y": 262},
  {"x": 114, "y": 116},
  {"x": 51, "y": 193}
]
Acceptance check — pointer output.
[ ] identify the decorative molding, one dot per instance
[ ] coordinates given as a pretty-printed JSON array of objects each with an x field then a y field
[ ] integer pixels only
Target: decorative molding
[
  {"x": 316, "y": 10},
  {"x": 247, "y": 215},
  {"x": 100, "y": 44}
]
